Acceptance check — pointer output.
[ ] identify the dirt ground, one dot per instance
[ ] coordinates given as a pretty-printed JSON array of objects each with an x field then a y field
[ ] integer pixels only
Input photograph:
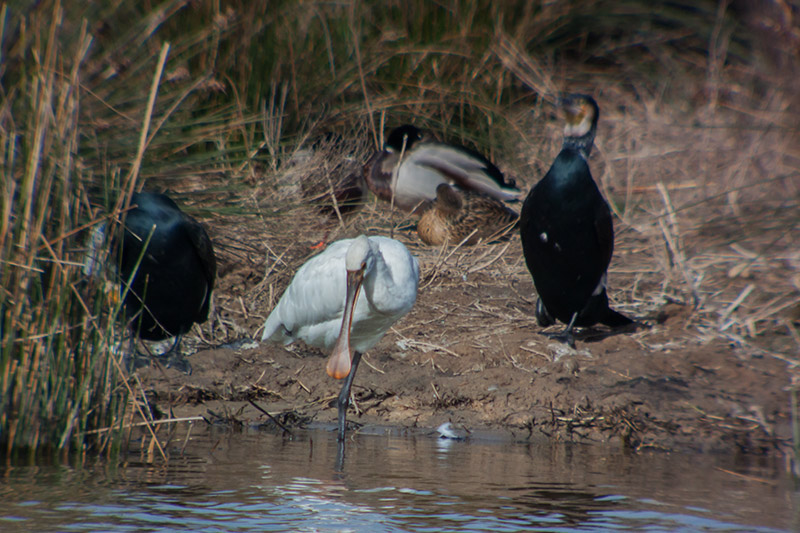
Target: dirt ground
[{"x": 715, "y": 284}]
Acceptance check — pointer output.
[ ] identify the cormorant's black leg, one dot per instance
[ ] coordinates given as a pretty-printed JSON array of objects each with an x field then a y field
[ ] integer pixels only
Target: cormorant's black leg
[
  {"x": 566, "y": 336},
  {"x": 134, "y": 359},
  {"x": 344, "y": 396},
  {"x": 173, "y": 358},
  {"x": 543, "y": 316}
]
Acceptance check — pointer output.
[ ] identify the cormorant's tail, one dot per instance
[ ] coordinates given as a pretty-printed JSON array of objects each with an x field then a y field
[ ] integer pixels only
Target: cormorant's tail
[
  {"x": 613, "y": 319},
  {"x": 598, "y": 310}
]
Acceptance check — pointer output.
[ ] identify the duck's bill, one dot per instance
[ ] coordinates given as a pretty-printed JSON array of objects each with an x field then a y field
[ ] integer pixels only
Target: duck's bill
[{"x": 339, "y": 361}]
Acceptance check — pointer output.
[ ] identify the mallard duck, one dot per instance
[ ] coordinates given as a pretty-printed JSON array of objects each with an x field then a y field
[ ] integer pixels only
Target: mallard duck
[
  {"x": 426, "y": 164},
  {"x": 458, "y": 215},
  {"x": 567, "y": 232},
  {"x": 171, "y": 259},
  {"x": 325, "y": 305}
]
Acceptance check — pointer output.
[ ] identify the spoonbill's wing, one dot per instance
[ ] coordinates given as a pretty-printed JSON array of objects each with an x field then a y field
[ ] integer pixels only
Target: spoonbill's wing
[{"x": 312, "y": 305}]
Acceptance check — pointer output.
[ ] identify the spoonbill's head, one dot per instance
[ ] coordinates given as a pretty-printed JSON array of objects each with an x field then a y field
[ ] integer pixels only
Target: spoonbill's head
[{"x": 358, "y": 262}]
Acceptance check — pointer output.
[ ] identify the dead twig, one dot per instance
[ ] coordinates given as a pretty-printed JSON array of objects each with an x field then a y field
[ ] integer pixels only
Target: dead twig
[{"x": 277, "y": 422}]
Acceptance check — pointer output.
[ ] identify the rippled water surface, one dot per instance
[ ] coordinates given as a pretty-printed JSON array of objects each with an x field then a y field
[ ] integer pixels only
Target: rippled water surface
[{"x": 265, "y": 482}]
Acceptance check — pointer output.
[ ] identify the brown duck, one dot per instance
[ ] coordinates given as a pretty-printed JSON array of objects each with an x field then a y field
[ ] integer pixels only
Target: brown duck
[{"x": 457, "y": 215}]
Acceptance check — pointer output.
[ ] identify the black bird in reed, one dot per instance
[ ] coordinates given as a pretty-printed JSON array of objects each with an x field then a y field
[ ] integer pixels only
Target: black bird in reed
[
  {"x": 567, "y": 232},
  {"x": 458, "y": 215},
  {"x": 425, "y": 164},
  {"x": 171, "y": 259}
]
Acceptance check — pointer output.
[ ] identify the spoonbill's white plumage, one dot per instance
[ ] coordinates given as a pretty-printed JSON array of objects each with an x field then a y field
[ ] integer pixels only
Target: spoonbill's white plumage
[{"x": 344, "y": 300}]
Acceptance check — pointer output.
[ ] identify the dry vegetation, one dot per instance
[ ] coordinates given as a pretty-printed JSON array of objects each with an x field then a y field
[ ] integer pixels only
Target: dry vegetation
[{"x": 697, "y": 151}]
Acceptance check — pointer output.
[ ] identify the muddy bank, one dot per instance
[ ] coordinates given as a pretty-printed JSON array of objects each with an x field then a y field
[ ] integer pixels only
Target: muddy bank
[{"x": 470, "y": 353}]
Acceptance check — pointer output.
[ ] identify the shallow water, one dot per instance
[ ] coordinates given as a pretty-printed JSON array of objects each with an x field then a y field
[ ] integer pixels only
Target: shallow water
[{"x": 258, "y": 481}]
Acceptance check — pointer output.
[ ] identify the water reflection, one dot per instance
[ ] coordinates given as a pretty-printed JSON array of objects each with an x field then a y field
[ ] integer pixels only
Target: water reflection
[{"x": 260, "y": 481}]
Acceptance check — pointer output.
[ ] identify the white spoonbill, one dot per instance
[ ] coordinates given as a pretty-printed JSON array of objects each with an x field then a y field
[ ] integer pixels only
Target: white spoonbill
[{"x": 325, "y": 307}]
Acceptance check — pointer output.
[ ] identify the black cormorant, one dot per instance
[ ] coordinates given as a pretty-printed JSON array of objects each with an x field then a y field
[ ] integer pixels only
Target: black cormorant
[
  {"x": 567, "y": 232},
  {"x": 171, "y": 259}
]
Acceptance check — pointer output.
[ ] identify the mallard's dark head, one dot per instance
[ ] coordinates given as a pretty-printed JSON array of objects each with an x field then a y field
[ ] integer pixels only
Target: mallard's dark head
[{"x": 405, "y": 133}]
